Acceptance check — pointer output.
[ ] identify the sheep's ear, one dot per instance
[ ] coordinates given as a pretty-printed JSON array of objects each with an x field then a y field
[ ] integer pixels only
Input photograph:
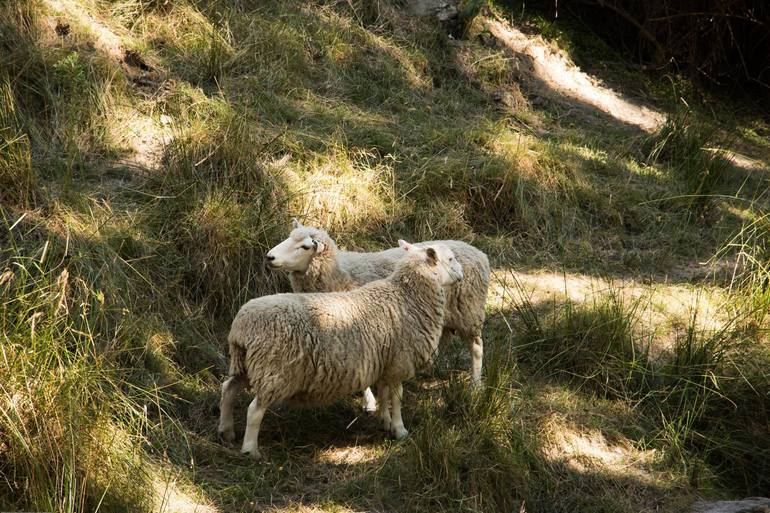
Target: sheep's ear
[
  {"x": 320, "y": 247},
  {"x": 431, "y": 254},
  {"x": 404, "y": 245},
  {"x": 295, "y": 223}
]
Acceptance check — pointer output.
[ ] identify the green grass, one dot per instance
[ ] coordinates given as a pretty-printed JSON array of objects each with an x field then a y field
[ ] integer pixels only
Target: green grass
[
  {"x": 118, "y": 283},
  {"x": 17, "y": 178},
  {"x": 592, "y": 344}
]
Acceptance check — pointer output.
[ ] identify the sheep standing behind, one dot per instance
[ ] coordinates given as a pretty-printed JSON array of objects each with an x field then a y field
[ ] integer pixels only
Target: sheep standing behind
[
  {"x": 315, "y": 264},
  {"x": 310, "y": 349}
]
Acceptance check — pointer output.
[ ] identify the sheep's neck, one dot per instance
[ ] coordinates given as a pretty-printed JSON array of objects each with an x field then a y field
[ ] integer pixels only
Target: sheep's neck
[{"x": 322, "y": 275}]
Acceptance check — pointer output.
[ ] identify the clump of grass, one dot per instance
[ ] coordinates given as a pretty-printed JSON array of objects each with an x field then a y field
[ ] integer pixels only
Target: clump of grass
[
  {"x": 17, "y": 177},
  {"x": 681, "y": 142},
  {"x": 733, "y": 429},
  {"x": 712, "y": 399},
  {"x": 593, "y": 343},
  {"x": 688, "y": 382},
  {"x": 217, "y": 205},
  {"x": 200, "y": 49},
  {"x": 68, "y": 421},
  {"x": 751, "y": 276},
  {"x": 465, "y": 452},
  {"x": 63, "y": 95},
  {"x": 719, "y": 381}
]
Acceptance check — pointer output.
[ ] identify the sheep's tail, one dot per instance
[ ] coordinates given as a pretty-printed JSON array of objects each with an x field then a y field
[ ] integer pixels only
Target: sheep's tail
[{"x": 237, "y": 357}]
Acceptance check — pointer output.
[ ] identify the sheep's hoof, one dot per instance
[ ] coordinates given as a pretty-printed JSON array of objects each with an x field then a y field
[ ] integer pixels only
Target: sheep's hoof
[
  {"x": 385, "y": 424},
  {"x": 400, "y": 433},
  {"x": 227, "y": 435},
  {"x": 371, "y": 409},
  {"x": 254, "y": 454}
]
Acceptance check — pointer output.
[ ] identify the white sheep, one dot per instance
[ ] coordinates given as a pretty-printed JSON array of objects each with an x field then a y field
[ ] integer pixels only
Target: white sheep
[
  {"x": 310, "y": 349},
  {"x": 315, "y": 264}
]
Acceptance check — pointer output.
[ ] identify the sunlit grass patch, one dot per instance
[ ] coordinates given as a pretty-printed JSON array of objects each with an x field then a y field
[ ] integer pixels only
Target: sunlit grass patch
[
  {"x": 345, "y": 192},
  {"x": 190, "y": 43}
]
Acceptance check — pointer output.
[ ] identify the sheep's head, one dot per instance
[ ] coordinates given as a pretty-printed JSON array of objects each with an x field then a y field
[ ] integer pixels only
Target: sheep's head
[
  {"x": 440, "y": 259},
  {"x": 295, "y": 253}
]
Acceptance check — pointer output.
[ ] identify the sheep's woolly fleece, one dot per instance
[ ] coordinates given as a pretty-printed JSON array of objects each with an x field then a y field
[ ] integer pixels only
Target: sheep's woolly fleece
[
  {"x": 335, "y": 270},
  {"x": 310, "y": 349}
]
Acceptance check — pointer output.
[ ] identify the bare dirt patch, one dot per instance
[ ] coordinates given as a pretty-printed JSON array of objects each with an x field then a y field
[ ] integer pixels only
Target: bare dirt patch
[
  {"x": 144, "y": 136},
  {"x": 549, "y": 73}
]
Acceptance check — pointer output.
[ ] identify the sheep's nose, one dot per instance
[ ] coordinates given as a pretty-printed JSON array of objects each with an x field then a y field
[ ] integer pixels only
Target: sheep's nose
[{"x": 269, "y": 258}]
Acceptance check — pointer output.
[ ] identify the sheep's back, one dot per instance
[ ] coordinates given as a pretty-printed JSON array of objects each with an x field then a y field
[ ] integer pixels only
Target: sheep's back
[
  {"x": 466, "y": 302},
  {"x": 368, "y": 267}
]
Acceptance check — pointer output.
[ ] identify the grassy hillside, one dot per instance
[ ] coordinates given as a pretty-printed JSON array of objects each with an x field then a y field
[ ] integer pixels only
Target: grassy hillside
[{"x": 151, "y": 151}]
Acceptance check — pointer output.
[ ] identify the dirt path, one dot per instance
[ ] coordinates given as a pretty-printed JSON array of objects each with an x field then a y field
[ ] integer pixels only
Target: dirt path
[
  {"x": 146, "y": 137},
  {"x": 551, "y": 74}
]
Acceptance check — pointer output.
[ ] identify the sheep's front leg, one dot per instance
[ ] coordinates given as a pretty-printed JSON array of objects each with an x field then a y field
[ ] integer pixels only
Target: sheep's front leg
[
  {"x": 253, "y": 421},
  {"x": 230, "y": 389},
  {"x": 397, "y": 424},
  {"x": 476, "y": 347},
  {"x": 370, "y": 403},
  {"x": 383, "y": 391}
]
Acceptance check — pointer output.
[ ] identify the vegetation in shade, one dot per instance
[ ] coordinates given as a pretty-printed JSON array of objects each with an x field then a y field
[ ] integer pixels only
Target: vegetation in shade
[
  {"x": 119, "y": 278},
  {"x": 696, "y": 396}
]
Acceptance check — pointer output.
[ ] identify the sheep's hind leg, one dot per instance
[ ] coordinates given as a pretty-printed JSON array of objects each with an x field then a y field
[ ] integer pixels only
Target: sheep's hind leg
[
  {"x": 383, "y": 392},
  {"x": 230, "y": 389},
  {"x": 369, "y": 402},
  {"x": 253, "y": 421},
  {"x": 397, "y": 424},
  {"x": 476, "y": 347}
]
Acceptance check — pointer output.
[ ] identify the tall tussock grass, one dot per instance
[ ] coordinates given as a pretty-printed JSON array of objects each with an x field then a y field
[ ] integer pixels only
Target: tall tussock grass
[
  {"x": 738, "y": 408},
  {"x": 594, "y": 344},
  {"x": 18, "y": 182},
  {"x": 751, "y": 277},
  {"x": 707, "y": 396},
  {"x": 683, "y": 143},
  {"x": 466, "y": 453},
  {"x": 70, "y": 425}
]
